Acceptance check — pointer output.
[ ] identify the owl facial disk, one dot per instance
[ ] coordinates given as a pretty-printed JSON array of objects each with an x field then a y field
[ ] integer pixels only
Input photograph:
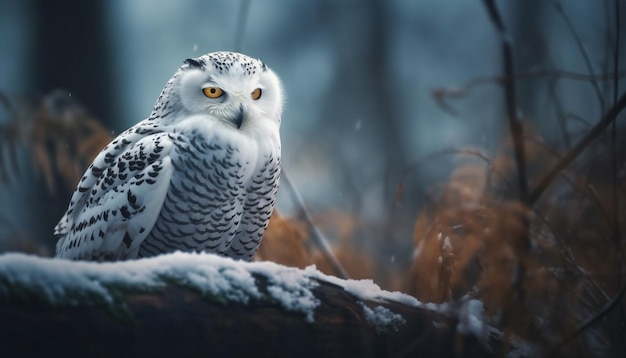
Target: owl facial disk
[{"x": 236, "y": 90}]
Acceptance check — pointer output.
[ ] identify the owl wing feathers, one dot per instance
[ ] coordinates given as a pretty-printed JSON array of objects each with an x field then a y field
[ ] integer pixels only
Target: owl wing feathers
[
  {"x": 119, "y": 198},
  {"x": 262, "y": 190}
]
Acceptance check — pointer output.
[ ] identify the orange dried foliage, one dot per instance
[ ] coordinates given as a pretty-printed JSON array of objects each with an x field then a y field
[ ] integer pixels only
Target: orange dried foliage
[
  {"x": 341, "y": 226},
  {"x": 358, "y": 264},
  {"x": 62, "y": 138},
  {"x": 469, "y": 239},
  {"x": 285, "y": 243},
  {"x": 448, "y": 238}
]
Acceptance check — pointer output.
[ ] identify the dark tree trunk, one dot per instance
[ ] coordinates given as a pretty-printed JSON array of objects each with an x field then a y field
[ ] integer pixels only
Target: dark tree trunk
[{"x": 71, "y": 52}]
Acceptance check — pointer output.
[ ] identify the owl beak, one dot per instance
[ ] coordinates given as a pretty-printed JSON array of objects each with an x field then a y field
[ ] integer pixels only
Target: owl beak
[{"x": 238, "y": 117}]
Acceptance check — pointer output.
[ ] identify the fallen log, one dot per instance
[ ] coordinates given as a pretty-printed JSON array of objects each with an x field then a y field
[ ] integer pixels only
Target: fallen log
[{"x": 186, "y": 305}]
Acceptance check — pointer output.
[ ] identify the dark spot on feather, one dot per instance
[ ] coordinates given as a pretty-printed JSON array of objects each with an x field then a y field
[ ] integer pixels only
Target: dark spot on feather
[
  {"x": 127, "y": 240},
  {"x": 125, "y": 212}
]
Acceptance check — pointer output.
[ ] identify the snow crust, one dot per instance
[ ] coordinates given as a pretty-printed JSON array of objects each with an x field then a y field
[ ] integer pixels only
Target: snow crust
[
  {"x": 62, "y": 282},
  {"x": 471, "y": 318},
  {"x": 382, "y": 318},
  {"x": 72, "y": 282}
]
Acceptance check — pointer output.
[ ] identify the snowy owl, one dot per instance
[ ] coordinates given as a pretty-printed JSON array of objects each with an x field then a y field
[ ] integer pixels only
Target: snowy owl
[{"x": 200, "y": 174}]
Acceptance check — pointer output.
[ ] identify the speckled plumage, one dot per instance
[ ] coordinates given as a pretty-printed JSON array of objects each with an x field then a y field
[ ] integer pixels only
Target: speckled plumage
[{"x": 200, "y": 174}]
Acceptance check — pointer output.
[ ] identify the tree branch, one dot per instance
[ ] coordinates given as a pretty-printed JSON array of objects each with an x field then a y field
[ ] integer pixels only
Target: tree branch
[
  {"x": 614, "y": 165},
  {"x": 318, "y": 237},
  {"x": 515, "y": 126},
  {"x": 608, "y": 307},
  {"x": 517, "y": 133},
  {"x": 570, "y": 26},
  {"x": 544, "y": 181},
  {"x": 441, "y": 94}
]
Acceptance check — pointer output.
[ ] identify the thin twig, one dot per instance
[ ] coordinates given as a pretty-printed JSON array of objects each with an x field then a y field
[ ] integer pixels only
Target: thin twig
[
  {"x": 616, "y": 206},
  {"x": 318, "y": 237},
  {"x": 560, "y": 112},
  {"x": 449, "y": 151},
  {"x": 616, "y": 199},
  {"x": 608, "y": 307},
  {"x": 581, "y": 47},
  {"x": 517, "y": 134},
  {"x": 443, "y": 93},
  {"x": 584, "y": 189},
  {"x": 616, "y": 52},
  {"x": 569, "y": 258},
  {"x": 543, "y": 182},
  {"x": 454, "y": 151}
]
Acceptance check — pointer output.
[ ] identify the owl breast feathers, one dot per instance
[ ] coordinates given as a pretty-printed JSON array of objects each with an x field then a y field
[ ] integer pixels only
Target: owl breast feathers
[{"x": 200, "y": 174}]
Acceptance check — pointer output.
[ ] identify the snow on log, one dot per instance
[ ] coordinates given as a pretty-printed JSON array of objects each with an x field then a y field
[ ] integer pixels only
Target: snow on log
[{"x": 200, "y": 304}]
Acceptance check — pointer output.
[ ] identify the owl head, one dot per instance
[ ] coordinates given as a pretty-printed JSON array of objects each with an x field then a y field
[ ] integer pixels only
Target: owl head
[{"x": 228, "y": 86}]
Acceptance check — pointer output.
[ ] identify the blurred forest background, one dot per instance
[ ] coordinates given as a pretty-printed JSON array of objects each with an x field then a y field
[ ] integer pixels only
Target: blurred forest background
[{"x": 437, "y": 156}]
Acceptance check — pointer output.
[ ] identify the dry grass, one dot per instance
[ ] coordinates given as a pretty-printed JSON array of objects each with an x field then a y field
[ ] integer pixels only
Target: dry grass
[{"x": 467, "y": 241}]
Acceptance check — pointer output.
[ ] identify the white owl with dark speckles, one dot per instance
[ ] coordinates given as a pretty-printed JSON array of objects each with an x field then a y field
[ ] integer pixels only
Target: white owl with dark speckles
[{"x": 200, "y": 174}]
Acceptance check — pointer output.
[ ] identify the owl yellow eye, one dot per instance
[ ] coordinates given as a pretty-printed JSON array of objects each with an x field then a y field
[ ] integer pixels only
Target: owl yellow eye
[
  {"x": 256, "y": 94},
  {"x": 213, "y": 92}
]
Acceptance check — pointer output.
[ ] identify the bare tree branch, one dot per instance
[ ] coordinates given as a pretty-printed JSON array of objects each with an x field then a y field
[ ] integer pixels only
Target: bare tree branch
[
  {"x": 318, "y": 237},
  {"x": 614, "y": 169},
  {"x": 560, "y": 112},
  {"x": 517, "y": 134},
  {"x": 559, "y": 8},
  {"x": 608, "y": 307},
  {"x": 441, "y": 94},
  {"x": 544, "y": 181}
]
